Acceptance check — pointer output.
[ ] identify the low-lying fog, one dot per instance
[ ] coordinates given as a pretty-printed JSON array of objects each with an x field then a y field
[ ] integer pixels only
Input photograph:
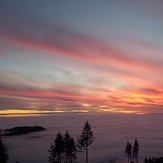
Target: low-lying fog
[{"x": 111, "y": 131}]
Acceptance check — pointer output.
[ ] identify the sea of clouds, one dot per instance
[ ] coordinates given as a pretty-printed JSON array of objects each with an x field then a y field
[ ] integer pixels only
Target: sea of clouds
[{"x": 112, "y": 131}]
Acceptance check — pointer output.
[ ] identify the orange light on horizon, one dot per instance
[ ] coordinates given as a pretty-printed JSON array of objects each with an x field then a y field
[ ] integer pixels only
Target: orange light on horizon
[
  {"x": 117, "y": 110},
  {"x": 15, "y": 112}
]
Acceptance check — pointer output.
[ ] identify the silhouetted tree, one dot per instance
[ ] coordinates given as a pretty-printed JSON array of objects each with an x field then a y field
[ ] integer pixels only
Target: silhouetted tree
[
  {"x": 128, "y": 150},
  {"x": 63, "y": 150},
  {"x": 135, "y": 150},
  {"x": 56, "y": 150},
  {"x": 69, "y": 148},
  {"x": 3, "y": 152},
  {"x": 86, "y": 138}
]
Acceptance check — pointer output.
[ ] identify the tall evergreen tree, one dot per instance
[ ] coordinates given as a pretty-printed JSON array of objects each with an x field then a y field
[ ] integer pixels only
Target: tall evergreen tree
[
  {"x": 86, "y": 138},
  {"x": 69, "y": 148},
  {"x": 135, "y": 150},
  {"x": 63, "y": 150},
  {"x": 128, "y": 151},
  {"x": 57, "y": 150},
  {"x": 3, "y": 153}
]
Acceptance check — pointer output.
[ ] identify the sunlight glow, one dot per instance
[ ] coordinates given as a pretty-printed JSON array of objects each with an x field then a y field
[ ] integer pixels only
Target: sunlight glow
[
  {"x": 15, "y": 112},
  {"x": 86, "y": 105},
  {"x": 142, "y": 98},
  {"x": 117, "y": 110},
  {"x": 102, "y": 109}
]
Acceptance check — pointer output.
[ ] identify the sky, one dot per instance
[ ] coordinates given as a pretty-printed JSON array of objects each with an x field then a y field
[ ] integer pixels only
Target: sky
[{"x": 81, "y": 56}]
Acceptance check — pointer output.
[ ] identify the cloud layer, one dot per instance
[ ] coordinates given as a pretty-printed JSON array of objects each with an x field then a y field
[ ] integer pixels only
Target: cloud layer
[{"x": 46, "y": 65}]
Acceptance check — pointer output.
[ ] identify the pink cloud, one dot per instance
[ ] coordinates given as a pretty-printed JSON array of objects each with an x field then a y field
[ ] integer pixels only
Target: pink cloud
[
  {"x": 79, "y": 47},
  {"x": 67, "y": 98},
  {"x": 97, "y": 56}
]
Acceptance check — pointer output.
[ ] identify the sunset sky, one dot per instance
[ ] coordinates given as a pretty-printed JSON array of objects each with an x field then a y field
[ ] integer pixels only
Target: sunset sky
[{"x": 81, "y": 56}]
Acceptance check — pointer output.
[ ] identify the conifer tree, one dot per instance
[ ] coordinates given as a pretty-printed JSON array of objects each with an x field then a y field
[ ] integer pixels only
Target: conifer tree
[
  {"x": 3, "y": 153},
  {"x": 69, "y": 148},
  {"x": 63, "y": 150},
  {"x": 56, "y": 150},
  {"x": 135, "y": 150},
  {"x": 86, "y": 138},
  {"x": 128, "y": 150}
]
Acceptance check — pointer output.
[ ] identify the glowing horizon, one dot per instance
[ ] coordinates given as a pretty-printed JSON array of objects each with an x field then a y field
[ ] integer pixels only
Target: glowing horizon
[{"x": 16, "y": 113}]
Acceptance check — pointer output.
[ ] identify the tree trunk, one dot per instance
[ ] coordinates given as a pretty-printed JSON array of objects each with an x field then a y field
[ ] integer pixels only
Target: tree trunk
[{"x": 86, "y": 154}]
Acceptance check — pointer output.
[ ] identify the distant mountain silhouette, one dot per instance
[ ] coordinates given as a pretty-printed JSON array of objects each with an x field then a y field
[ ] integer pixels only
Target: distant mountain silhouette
[{"x": 21, "y": 130}]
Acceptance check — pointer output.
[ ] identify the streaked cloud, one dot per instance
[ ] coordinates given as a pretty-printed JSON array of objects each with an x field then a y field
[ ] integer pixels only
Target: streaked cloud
[{"x": 49, "y": 65}]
